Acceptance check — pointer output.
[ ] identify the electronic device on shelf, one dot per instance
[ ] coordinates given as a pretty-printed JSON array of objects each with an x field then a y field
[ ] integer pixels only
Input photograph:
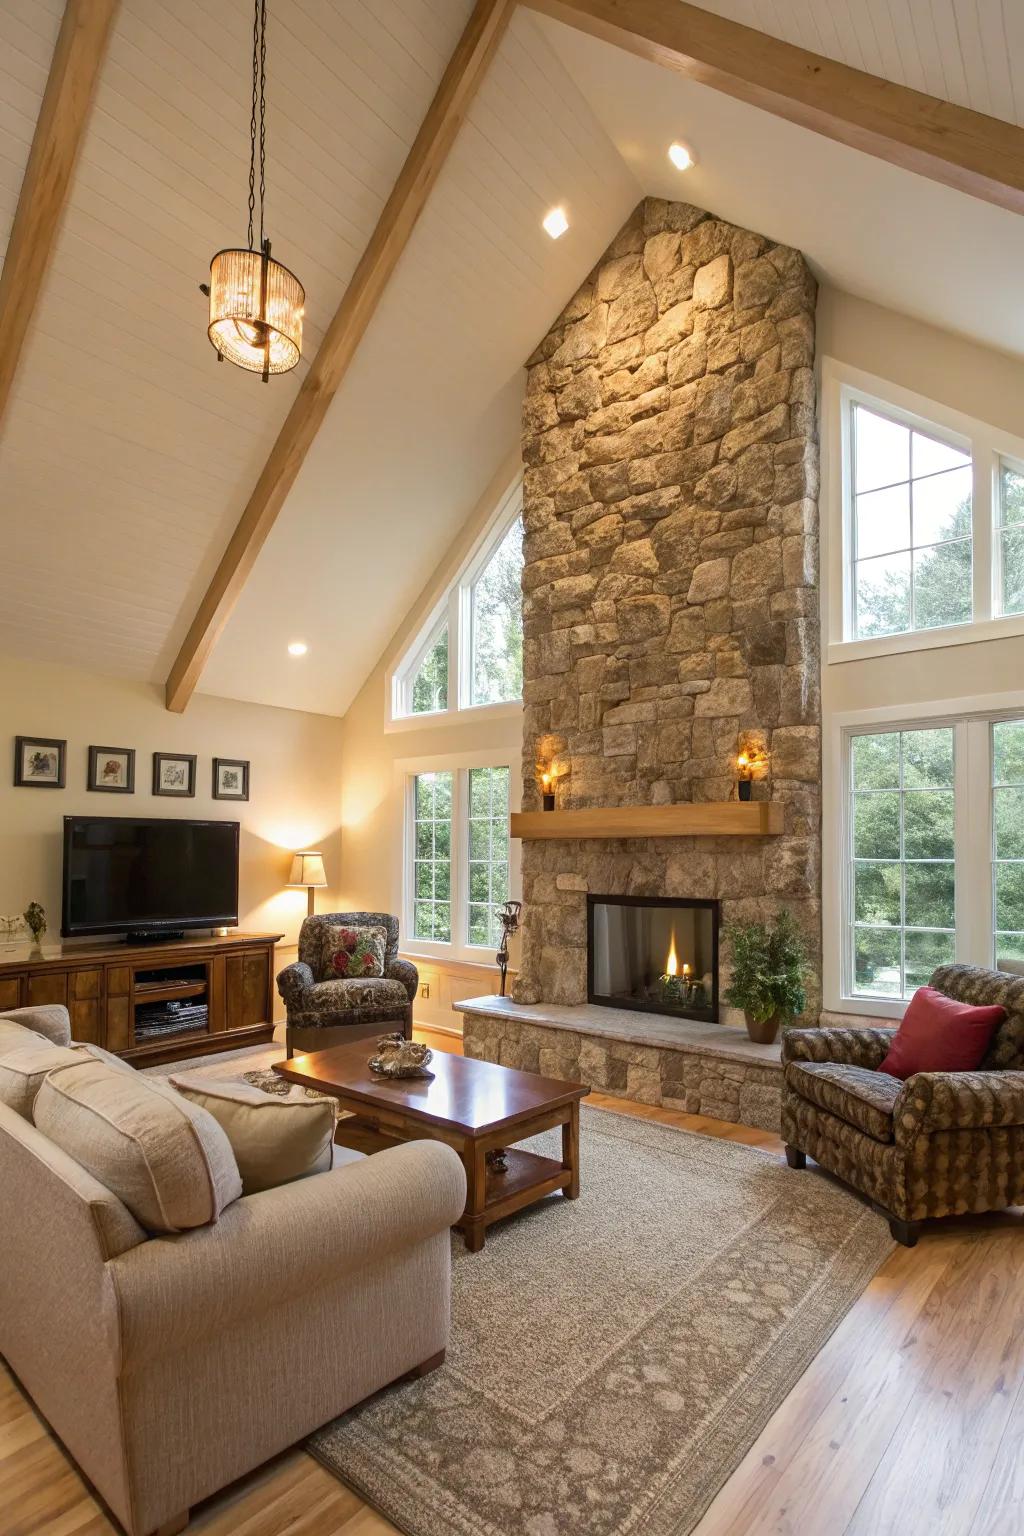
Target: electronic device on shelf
[{"x": 148, "y": 877}]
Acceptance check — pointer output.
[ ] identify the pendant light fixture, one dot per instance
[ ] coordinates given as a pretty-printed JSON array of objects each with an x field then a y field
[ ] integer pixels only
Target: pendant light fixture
[{"x": 256, "y": 305}]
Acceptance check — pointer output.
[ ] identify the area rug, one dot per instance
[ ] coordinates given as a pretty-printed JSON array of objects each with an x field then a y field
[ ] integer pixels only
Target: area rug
[{"x": 613, "y": 1358}]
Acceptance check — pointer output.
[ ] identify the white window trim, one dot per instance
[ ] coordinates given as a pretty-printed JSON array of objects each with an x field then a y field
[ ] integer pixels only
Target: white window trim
[
  {"x": 970, "y": 719},
  {"x": 455, "y": 608},
  {"x": 842, "y": 386},
  {"x": 458, "y": 764}
]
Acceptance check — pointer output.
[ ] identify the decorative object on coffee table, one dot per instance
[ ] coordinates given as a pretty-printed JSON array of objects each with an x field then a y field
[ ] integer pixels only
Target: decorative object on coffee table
[
  {"x": 35, "y": 920},
  {"x": 396, "y": 1056},
  {"x": 39, "y": 762},
  {"x": 473, "y": 1106},
  {"x": 508, "y": 917},
  {"x": 111, "y": 770},
  {"x": 768, "y": 965}
]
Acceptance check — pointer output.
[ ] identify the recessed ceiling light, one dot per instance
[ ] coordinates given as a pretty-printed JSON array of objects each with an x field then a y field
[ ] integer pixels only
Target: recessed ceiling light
[
  {"x": 555, "y": 222},
  {"x": 682, "y": 156},
  {"x": 297, "y": 648}
]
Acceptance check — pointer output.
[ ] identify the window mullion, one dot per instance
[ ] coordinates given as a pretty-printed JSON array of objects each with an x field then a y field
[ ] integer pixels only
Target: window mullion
[{"x": 984, "y": 460}]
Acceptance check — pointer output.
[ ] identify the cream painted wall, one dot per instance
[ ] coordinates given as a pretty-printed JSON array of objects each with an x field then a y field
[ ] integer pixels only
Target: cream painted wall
[
  {"x": 982, "y": 383},
  {"x": 372, "y": 813},
  {"x": 295, "y": 783}
]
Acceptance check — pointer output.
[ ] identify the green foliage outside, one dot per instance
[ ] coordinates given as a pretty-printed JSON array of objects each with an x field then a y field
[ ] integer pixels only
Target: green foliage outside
[
  {"x": 497, "y": 625},
  {"x": 769, "y": 962},
  {"x": 430, "y": 685},
  {"x": 939, "y": 577}
]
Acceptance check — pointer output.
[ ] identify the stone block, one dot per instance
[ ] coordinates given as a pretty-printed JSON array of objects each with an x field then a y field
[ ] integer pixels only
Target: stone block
[
  {"x": 710, "y": 580},
  {"x": 712, "y": 284}
]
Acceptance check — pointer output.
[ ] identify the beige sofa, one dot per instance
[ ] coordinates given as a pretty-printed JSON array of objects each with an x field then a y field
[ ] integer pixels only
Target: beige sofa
[{"x": 169, "y": 1366}]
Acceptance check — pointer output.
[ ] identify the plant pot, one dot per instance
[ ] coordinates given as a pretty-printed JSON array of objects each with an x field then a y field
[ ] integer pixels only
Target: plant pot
[{"x": 763, "y": 1031}]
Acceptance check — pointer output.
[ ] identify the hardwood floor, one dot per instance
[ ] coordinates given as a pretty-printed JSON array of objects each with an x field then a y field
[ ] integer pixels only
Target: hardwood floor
[{"x": 909, "y": 1421}]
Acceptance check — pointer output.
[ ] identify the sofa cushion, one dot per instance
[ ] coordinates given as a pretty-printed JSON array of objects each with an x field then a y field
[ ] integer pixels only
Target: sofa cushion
[
  {"x": 353, "y": 952},
  {"x": 49, "y": 1019},
  {"x": 167, "y": 1159},
  {"x": 275, "y": 1140},
  {"x": 329, "y": 997},
  {"x": 939, "y": 1034},
  {"x": 15, "y": 1037},
  {"x": 983, "y": 988},
  {"x": 863, "y": 1098},
  {"x": 22, "y": 1072}
]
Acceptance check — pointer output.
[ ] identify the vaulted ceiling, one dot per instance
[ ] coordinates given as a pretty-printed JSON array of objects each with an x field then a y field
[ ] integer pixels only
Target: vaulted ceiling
[{"x": 127, "y": 454}]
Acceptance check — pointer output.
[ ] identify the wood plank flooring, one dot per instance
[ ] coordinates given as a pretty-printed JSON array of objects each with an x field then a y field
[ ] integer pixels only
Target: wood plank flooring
[{"x": 910, "y": 1422}]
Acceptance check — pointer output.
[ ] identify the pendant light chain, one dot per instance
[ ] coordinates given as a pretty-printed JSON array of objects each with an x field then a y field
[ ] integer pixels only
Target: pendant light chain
[{"x": 258, "y": 117}]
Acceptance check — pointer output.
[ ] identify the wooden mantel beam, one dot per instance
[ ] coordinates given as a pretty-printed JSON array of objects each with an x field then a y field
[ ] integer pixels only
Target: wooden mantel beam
[
  {"x": 980, "y": 155},
  {"x": 60, "y": 128},
  {"x": 445, "y": 116}
]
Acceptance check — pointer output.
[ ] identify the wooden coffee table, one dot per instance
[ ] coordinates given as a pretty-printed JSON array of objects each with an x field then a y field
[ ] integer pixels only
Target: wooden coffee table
[{"x": 474, "y": 1106}]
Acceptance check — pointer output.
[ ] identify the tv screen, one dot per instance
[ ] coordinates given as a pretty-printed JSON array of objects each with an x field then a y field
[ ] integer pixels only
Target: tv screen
[{"x": 123, "y": 873}]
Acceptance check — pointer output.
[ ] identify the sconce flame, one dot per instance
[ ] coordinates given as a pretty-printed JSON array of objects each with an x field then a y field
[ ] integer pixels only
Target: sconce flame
[{"x": 672, "y": 963}]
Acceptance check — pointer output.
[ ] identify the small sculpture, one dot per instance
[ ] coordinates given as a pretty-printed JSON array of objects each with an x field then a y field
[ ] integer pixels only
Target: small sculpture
[
  {"x": 508, "y": 917},
  {"x": 398, "y": 1057}
]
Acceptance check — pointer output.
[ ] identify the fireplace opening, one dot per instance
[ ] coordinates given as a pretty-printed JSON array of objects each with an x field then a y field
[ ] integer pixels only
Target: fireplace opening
[{"x": 656, "y": 954}]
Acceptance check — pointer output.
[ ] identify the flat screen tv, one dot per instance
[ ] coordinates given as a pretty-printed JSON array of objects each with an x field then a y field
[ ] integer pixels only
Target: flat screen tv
[{"x": 148, "y": 877}]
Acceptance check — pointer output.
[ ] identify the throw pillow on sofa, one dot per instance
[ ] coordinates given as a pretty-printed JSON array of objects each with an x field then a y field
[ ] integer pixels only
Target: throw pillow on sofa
[
  {"x": 22, "y": 1072},
  {"x": 15, "y": 1037},
  {"x": 940, "y": 1035},
  {"x": 274, "y": 1140},
  {"x": 49, "y": 1019},
  {"x": 354, "y": 952},
  {"x": 168, "y": 1160}
]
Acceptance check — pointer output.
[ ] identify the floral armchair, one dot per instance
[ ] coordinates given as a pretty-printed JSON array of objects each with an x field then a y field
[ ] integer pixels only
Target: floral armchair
[
  {"x": 940, "y": 1144},
  {"x": 330, "y": 994}
]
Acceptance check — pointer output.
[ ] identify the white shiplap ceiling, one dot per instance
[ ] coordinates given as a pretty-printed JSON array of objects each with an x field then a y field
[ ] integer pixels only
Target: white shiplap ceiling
[{"x": 127, "y": 454}]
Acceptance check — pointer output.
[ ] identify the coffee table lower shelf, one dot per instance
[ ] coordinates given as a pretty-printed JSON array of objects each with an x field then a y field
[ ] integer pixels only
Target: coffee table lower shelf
[{"x": 527, "y": 1176}]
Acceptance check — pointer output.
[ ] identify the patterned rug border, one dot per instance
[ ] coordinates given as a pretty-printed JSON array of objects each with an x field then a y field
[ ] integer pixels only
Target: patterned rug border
[{"x": 762, "y": 1395}]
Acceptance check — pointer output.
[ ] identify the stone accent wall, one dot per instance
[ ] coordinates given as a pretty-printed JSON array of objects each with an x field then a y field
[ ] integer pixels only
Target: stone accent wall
[
  {"x": 670, "y": 584},
  {"x": 701, "y": 1083}
]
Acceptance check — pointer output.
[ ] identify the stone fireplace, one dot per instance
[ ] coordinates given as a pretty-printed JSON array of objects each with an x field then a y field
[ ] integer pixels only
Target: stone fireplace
[
  {"x": 653, "y": 954},
  {"x": 670, "y": 583}
]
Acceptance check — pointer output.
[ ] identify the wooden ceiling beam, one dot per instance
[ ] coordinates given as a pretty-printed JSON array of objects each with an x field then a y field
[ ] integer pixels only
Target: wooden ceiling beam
[
  {"x": 60, "y": 128},
  {"x": 980, "y": 155},
  {"x": 423, "y": 165}
]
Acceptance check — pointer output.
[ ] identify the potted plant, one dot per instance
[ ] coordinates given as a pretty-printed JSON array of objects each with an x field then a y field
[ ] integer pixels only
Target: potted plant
[{"x": 768, "y": 965}]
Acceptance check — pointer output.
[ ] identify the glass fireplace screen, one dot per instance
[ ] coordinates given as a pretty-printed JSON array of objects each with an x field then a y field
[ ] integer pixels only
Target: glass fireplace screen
[{"x": 659, "y": 955}]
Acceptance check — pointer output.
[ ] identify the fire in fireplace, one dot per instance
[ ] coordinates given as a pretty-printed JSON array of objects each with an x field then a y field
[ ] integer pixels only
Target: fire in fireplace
[{"x": 656, "y": 954}]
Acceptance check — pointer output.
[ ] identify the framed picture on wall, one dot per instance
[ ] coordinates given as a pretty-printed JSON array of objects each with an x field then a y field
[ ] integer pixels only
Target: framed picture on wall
[
  {"x": 112, "y": 770},
  {"x": 174, "y": 774},
  {"x": 39, "y": 762},
  {"x": 230, "y": 779}
]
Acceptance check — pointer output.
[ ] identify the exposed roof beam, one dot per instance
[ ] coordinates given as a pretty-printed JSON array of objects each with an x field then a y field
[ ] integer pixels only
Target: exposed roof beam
[
  {"x": 60, "y": 128},
  {"x": 980, "y": 155},
  {"x": 444, "y": 118}
]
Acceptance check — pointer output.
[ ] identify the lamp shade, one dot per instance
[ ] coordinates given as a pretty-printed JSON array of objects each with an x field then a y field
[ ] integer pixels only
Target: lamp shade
[
  {"x": 256, "y": 309},
  {"x": 308, "y": 870}
]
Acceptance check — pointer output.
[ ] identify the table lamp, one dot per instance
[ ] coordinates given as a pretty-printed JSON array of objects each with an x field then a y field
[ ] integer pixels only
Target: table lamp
[{"x": 308, "y": 870}]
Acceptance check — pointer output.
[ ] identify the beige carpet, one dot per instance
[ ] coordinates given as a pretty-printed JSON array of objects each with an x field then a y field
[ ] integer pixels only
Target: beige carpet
[{"x": 613, "y": 1358}]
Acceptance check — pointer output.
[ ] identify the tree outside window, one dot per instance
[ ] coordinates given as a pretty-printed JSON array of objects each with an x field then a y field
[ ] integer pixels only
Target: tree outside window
[{"x": 496, "y": 624}]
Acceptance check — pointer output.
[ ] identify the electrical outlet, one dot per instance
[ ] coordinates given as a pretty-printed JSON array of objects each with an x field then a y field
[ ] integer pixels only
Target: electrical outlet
[{"x": 424, "y": 989}]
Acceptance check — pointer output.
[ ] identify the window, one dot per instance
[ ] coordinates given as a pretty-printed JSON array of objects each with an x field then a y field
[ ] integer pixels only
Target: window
[
  {"x": 1008, "y": 841},
  {"x": 496, "y": 623},
  {"x": 488, "y": 852},
  {"x": 432, "y": 857},
  {"x": 469, "y": 654},
  {"x": 922, "y": 521},
  {"x": 902, "y": 865},
  {"x": 912, "y": 527},
  {"x": 460, "y": 863},
  {"x": 1010, "y": 549},
  {"x": 928, "y": 854}
]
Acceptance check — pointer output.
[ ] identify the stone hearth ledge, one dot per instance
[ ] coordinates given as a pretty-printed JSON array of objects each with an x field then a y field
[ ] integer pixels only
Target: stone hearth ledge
[{"x": 704, "y": 1069}]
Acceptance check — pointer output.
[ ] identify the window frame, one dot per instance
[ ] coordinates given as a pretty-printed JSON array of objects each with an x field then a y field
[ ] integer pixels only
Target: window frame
[
  {"x": 459, "y": 765},
  {"x": 454, "y": 608},
  {"x": 843, "y": 387},
  {"x": 971, "y": 721}
]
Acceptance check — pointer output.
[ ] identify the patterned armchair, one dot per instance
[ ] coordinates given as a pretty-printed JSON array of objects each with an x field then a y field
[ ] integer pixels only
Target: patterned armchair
[
  {"x": 940, "y": 1144},
  {"x": 325, "y": 1008}
]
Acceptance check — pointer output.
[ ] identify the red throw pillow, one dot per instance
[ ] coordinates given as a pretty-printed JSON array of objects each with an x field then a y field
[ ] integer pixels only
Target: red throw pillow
[{"x": 940, "y": 1035}]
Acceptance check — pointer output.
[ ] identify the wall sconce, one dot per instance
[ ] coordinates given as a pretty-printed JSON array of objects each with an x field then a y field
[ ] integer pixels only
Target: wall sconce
[
  {"x": 751, "y": 763},
  {"x": 308, "y": 870}
]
